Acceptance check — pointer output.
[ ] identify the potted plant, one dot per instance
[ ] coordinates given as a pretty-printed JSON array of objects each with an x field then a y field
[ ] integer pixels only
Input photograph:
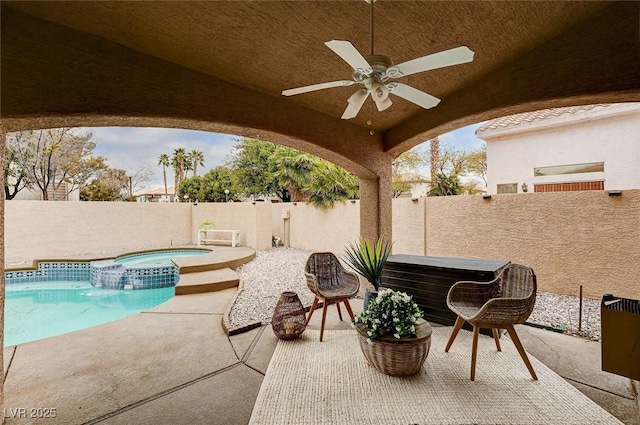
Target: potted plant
[
  {"x": 368, "y": 260},
  {"x": 393, "y": 336},
  {"x": 206, "y": 225}
]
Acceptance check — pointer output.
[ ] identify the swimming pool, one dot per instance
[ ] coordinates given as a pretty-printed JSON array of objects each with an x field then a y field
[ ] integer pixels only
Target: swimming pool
[
  {"x": 39, "y": 310},
  {"x": 65, "y": 296},
  {"x": 159, "y": 257}
]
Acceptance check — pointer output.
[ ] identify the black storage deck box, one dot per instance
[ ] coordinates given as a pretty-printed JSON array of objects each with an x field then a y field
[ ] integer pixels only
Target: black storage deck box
[{"x": 428, "y": 280}]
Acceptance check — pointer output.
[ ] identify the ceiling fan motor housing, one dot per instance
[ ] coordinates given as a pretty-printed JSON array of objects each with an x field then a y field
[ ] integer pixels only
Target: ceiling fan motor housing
[{"x": 379, "y": 65}]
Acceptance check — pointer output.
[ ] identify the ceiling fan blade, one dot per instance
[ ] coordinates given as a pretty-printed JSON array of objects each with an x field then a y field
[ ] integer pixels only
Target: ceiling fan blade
[
  {"x": 350, "y": 55},
  {"x": 355, "y": 104},
  {"x": 320, "y": 86},
  {"x": 416, "y": 96},
  {"x": 449, "y": 57}
]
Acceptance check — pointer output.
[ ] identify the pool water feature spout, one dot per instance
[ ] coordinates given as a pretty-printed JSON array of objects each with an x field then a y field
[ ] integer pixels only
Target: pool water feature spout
[{"x": 108, "y": 275}]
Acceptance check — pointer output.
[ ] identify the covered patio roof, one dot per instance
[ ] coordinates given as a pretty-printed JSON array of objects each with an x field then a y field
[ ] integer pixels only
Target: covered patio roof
[{"x": 222, "y": 65}]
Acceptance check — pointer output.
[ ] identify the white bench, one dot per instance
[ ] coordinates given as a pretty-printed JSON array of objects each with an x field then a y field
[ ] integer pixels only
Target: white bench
[{"x": 209, "y": 235}]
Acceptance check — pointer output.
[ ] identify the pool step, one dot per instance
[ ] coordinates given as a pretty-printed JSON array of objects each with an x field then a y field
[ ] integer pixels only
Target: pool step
[
  {"x": 218, "y": 259},
  {"x": 206, "y": 281}
]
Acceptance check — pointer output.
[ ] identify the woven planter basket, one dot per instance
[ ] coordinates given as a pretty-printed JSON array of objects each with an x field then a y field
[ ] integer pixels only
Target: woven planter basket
[{"x": 396, "y": 357}]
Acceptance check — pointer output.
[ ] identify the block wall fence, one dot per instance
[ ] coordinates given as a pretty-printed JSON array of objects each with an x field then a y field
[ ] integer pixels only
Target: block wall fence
[{"x": 569, "y": 238}]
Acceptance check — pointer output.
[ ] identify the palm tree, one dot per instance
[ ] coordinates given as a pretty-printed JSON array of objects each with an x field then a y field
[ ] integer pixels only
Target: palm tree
[
  {"x": 294, "y": 171},
  {"x": 178, "y": 161},
  {"x": 165, "y": 162},
  {"x": 196, "y": 158},
  {"x": 329, "y": 184}
]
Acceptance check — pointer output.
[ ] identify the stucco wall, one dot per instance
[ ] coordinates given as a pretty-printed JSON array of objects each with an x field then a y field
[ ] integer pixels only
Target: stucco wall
[
  {"x": 569, "y": 238},
  {"x": 253, "y": 220},
  {"x": 572, "y": 138},
  {"x": 409, "y": 226},
  {"x": 47, "y": 229},
  {"x": 318, "y": 230}
]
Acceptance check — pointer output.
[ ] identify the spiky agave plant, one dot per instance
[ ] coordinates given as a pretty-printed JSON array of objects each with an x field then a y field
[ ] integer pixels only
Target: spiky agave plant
[{"x": 368, "y": 259}]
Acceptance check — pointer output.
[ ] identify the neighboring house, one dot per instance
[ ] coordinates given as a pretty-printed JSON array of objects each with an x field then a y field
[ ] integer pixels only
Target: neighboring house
[
  {"x": 593, "y": 147},
  {"x": 158, "y": 195},
  {"x": 418, "y": 183}
]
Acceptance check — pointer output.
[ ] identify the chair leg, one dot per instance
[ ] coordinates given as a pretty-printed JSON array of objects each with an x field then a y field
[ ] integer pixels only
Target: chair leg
[
  {"x": 312, "y": 309},
  {"x": 324, "y": 317},
  {"x": 339, "y": 312},
  {"x": 348, "y": 306},
  {"x": 496, "y": 338},
  {"x": 474, "y": 351},
  {"x": 523, "y": 354},
  {"x": 454, "y": 332}
]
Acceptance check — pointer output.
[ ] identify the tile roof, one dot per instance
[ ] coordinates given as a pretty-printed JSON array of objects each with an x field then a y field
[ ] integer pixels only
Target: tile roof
[{"x": 527, "y": 117}]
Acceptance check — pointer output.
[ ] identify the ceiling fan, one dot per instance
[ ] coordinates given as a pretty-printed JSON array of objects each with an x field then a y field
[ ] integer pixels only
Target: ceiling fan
[{"x": 374, "y": 73}]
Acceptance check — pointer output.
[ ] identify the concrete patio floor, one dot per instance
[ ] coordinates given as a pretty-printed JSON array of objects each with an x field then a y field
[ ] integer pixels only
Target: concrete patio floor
[{"x": 174, "y": 364}]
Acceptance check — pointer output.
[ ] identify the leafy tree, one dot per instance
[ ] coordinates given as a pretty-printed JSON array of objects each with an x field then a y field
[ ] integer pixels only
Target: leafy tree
[
  {"x": 263, "y": 168},
  {"x": 407, "y": 162},
  {"x": 450, "y": 164},
  {"x": 210, "y": 187},
  {"x": 49, "y": 158},
  {"x": 446, "y": 185},
  {"x": 477, "y": 163},
  {"x": 16, "y": 175},
  {"x": 294, "y": 172},
  {"x": 329, "y": 184},
  {"x": 165, "y": 162},
  {"x": 111, "y": 184},
  {"x": 191, "y": 188},
  {"x": 254, "y": 167}
]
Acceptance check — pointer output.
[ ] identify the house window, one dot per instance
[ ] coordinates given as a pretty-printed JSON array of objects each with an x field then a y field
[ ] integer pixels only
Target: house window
[
  {"x": 569, "y": 186},
  {"x": 589, "y": 167},
  {"x": 508, "y": 188}
]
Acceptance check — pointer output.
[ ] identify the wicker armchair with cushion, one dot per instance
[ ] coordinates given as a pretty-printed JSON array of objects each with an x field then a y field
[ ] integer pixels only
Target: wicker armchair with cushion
[
  {"x": 505, "y": 301},
  {"x": 330, "y": 282}
]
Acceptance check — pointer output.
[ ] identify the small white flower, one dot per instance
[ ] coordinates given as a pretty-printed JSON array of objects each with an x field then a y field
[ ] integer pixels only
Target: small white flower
[
  {"x": 396, "y": 320},
  {"x": 369, "y": 341},
  {"x": 397, "y": 335},
  {"x": 369, "y": 333}
]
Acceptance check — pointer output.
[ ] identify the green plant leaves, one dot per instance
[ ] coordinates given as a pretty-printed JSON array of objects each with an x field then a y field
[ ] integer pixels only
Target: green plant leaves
[{"x": 369, "y": 259}]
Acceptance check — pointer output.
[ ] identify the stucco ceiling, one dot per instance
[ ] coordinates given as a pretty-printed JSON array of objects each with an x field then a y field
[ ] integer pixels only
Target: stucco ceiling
[{"x": 267, "y": 46}]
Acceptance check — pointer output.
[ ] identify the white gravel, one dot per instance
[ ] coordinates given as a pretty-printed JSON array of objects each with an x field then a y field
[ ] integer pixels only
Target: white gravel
[
  {"x": 270, "y": 274},
  {"x": 281, "y": 269}
]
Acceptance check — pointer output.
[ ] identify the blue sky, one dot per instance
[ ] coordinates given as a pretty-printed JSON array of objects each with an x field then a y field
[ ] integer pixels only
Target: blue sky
[{"x": 130, "y": 148}]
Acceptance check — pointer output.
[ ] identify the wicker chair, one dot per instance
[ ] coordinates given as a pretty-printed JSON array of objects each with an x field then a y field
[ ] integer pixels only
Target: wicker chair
[
  {"x": 499, "y": 304},
  {"x": 331, "y": 283}
]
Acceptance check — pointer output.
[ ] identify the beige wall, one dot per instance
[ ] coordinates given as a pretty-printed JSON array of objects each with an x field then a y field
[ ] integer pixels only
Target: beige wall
[
  {"x": 253, "y": 220},
  {"x": 569, "y": 238},
  {"x": 47, "y": 229},
  {"x": 318, "y": 230},
  {"x": 409, "y": 226}
]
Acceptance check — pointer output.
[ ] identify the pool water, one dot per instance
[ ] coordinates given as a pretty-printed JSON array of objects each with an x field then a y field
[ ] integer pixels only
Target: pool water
[
  {"x": 159, "y": 257},
  {"x": 42, "y": 309}
]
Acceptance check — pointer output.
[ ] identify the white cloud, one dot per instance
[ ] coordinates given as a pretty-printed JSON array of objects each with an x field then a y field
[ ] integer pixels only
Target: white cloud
[{"x": 128, "y": 148}]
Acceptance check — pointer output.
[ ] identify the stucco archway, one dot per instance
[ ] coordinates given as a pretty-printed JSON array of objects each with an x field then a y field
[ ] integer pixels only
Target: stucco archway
[{"x": 220, "y": 66}]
